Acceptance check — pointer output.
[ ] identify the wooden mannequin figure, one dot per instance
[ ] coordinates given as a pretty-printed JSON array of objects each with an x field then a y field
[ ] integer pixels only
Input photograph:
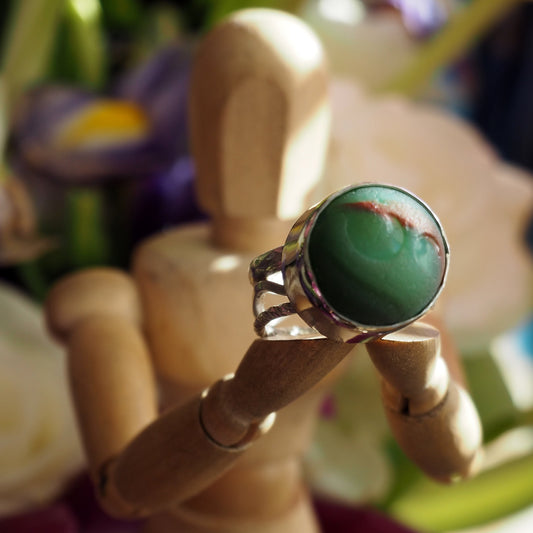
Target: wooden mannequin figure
[{"x": 182, "y": 321}]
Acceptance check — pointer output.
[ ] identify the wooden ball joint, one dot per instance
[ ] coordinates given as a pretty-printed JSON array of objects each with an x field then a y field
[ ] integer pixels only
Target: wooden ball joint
[{"x": 177, "y": 425}]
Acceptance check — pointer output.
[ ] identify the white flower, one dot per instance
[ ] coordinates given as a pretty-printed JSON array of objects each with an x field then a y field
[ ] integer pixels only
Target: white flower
[
  {"x": 371, "y": 47},
  {"x": 346, "y": 460},
  {"x": 39, "y": 445},
  {"x": 482, "y": 202}
]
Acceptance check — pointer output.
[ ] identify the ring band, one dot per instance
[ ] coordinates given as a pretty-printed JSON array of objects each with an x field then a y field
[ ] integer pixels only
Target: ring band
[
  {"x": 367, "y": 260},
  {"x": 263, "y": 266}
]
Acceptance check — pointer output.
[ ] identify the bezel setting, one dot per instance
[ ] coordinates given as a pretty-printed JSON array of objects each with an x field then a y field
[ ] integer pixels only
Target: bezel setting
[{"x": 304, "y": 293}]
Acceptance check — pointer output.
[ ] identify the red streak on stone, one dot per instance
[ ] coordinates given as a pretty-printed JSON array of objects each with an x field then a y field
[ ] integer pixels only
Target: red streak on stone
[{"x": 385, "y": 210}]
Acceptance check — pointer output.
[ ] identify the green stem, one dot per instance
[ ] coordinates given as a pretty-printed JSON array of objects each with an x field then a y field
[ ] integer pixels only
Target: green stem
[
  {"x": 86, "y": 38},
  {"x": 457, "y": 36},
  {"x": 31, "y": 275},
  {"x": 86, "y": 233}
]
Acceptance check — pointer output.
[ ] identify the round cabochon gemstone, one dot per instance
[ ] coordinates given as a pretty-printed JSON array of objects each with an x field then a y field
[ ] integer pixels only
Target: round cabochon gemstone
[{"x": 377, "y": 255}]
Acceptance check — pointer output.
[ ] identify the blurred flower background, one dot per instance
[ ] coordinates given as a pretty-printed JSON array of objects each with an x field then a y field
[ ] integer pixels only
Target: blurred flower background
[{"x": 432, "y": 95}]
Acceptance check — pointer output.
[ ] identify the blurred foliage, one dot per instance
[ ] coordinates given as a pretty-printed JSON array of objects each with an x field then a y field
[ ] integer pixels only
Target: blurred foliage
[{"x": 492, "y": 495}]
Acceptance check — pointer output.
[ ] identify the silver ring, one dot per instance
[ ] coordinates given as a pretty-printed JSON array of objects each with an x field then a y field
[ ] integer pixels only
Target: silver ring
[{"x": 367, "y": 260}]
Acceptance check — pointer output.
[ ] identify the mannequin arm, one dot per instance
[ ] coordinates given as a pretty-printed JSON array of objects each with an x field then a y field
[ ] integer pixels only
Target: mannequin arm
[
  {"x": 96, "y": 314},
  {"x": 429, "y": 411},
  {"x": 141, "y": 462},
  {"x": 190, "y": 446}
]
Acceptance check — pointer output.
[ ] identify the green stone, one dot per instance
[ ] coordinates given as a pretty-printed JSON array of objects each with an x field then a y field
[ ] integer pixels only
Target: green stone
[{"x": 377, "y": 255}]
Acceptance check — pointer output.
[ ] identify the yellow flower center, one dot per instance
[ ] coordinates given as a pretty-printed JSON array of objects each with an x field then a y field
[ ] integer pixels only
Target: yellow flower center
[{"x": 105, "y": 123}]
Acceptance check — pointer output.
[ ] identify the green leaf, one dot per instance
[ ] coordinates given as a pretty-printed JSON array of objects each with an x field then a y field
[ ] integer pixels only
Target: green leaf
[
  {"x": 492, "y": 495},
  {"x": 28, "y": 45}
]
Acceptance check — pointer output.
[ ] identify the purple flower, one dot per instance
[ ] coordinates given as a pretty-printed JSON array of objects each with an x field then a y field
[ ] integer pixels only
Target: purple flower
[
  {"x": 422, "y": 18},
  {"x": 131, "y": 143},
  {"x": 165, "y": 199},
  {"x": 77, "y": 511},
  {"x": 81, "y": 501},
  {"x": 137, "y": 130},
  {"x": 161, "y": 88},
  {"x": 328, "y": 408}
]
